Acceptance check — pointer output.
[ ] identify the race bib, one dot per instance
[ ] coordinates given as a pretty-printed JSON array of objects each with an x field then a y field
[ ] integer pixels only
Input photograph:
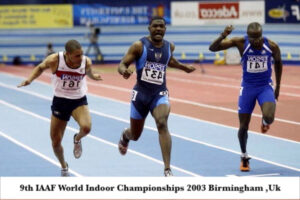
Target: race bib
[
  {"x": 256, "y": 64},
  {"x": 154, "y": 76},
  {"x": 71, "y": 82},
  {"x": 71, "y": 85}
]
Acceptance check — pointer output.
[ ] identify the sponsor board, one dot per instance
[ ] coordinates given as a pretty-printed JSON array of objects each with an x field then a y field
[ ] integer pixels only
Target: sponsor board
[
  {"x": 36, "y": 16},
  {"x": 278, "y": 11},
  {"x": 217, "y": 13}
]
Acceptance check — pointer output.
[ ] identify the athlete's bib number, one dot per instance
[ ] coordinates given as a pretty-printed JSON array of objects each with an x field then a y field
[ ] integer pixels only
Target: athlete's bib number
[
  {"x": 71, "y": 85},
  {"x": 152, "y": 76},
  {"x": 256, "y": 67}
]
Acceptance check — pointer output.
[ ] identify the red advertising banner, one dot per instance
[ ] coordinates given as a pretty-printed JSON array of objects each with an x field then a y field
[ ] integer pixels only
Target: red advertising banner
[{"x": 219, "y": 10}]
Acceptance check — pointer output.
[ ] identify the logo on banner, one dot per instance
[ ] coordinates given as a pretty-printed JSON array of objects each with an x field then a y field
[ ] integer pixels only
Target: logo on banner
[
  {"x": 279, "y": 13},
  {"x": 219, "y": 10}
]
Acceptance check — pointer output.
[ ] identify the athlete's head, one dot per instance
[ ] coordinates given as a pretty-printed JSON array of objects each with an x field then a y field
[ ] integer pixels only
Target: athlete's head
[
  {"x": 157, "y": 28},
  {"x": 74, "y": 52},
  {"x": 254, "y": 32}
]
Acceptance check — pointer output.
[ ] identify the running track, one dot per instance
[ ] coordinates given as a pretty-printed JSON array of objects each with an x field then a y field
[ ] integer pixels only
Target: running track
[{"x": 203, "y": 126}]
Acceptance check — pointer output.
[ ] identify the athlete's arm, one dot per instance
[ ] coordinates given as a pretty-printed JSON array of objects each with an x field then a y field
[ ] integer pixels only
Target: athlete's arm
[
  {"x": 50, "y": 62},
  {"x": 277, "y": 65},
  {"x": 134, "y": 52},
  {"x": 221, "y": 44},
  {"x": 89, "y": 71},
  {"x": 174, "y": 63}
]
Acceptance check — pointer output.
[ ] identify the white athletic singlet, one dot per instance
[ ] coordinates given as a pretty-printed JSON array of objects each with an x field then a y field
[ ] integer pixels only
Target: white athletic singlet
[{"x": 68, "y": 82}]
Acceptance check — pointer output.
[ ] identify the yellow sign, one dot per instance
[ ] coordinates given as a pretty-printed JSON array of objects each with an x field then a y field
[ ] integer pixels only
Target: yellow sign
[
  {"x": 36, "y": 16},
  {"x": 276, "y": 13}
]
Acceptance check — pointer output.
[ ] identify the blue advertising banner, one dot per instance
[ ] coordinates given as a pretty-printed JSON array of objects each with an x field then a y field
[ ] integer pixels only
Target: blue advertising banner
[
  {"x": 100, "y": 14},
  {"x": 279, "y": 11}
]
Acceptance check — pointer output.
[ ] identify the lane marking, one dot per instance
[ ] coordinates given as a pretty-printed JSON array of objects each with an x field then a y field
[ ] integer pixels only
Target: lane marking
[
  {"x": 95, "y": 138},
  {"x": 36, "y": 152},
  {"x": 186, "y": 102},
  {"x": 256, "y": 175},
  {"x": 151, "y": 128},
  {"x": 126, "y": 103}
]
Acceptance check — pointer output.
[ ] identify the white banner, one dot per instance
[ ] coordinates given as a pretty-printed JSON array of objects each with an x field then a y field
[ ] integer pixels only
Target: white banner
[
  {"x": 149, "y": 188},
  {"x": 217, "y": 13}
]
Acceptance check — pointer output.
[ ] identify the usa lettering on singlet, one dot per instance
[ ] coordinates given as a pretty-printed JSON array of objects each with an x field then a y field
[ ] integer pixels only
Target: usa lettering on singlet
[
  {"x": 68, "y": 82},
  {"x": 256, "y": 64},
  {"x": 151, "y": 67}
]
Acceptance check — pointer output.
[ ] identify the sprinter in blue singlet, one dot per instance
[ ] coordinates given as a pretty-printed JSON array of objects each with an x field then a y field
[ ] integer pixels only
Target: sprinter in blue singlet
[
  {"x": 257, "y": 53},
  {"x": 152, "y": 55}
]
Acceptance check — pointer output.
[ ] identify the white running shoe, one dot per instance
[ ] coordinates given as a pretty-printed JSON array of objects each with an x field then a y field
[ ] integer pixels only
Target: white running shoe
[
  {"x": 168, "y": 172},
  {"x": 64, "y": 172}
]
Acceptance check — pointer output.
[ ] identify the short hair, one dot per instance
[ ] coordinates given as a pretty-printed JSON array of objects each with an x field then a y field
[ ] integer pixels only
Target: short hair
[
  {"x": 156, "y": 18},
  {"x": 72, "y": 45},
  {"x": 254, "y": 26}
]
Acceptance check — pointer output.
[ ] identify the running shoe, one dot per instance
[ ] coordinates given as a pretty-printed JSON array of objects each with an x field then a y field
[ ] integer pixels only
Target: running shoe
[
  {"x": 168, "y": 172},
  {"x": 264, "y": 128},
  {"x": 123, "y": 145},
  {"x": 245, "y": 165},
  {"x": 65, "y": 171},
  {"x": 77, "y": 147}
]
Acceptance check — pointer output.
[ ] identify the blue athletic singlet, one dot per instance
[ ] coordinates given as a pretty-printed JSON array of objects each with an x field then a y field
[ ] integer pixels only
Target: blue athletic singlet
[
  {"x": 150, "y": 89},
  {"x": 151, "y": 67},
  {"x": 257, "y": 71},
  {"x": 256, "y": 64}
]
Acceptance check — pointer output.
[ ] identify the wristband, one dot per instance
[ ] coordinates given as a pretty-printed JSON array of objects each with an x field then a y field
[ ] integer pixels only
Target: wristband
[{"x": 223, "y": 36}]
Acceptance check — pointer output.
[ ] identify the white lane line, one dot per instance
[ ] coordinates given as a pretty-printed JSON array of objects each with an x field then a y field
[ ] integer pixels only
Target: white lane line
[
  {"x": 94, "y": 137},
  {"x": 126, "y": 103},
  {"x": 256, "y": 175},
  {"x": 36, "y": 152},
  {"x": 173, "y": 134},
  {"x": 189, "y": 102},
  {"x": 226, "y": 78}
]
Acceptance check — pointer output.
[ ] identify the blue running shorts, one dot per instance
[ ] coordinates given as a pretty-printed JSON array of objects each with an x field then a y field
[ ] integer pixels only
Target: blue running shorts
[
  {"x": 249, "y": 95},
  {"x": 142, "y": 103}
]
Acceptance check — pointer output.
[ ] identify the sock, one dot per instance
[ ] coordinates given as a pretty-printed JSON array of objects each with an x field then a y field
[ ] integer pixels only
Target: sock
[
  {"x": 125, "y": 138},
  {"x": 244, "y": 155}
]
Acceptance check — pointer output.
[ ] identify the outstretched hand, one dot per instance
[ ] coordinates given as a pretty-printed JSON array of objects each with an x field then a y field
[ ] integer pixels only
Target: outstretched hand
[
  {"x": 127, "y": 73},
  {"x": 189, "y": 69},
  {"x": 97, "y": 77},
  {"x": 24, "y": 83},
  {"x": 228, "y": 29}
]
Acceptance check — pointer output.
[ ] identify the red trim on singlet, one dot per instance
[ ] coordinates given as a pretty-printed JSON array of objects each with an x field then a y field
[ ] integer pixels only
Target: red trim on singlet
[{"x": 60, "y": 73}]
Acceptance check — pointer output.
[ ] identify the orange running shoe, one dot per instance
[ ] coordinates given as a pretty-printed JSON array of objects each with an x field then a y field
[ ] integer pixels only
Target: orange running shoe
[
  {"x": 245, "y": 166},
  {"x": 264, "y": 128}
]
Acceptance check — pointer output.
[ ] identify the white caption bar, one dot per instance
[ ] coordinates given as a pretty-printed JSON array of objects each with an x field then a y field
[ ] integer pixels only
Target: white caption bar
[{"x": 149, "y": 188}]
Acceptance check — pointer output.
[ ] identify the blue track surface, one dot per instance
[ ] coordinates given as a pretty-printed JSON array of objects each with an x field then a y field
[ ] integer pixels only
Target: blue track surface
[{"x": 199, "y": 147}]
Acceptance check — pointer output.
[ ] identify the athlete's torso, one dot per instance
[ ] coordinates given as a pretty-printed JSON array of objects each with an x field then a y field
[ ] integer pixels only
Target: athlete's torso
[
  {"x": 257, "y": 64},
  {"x": 68, "y": 82},
  {"x": 151, "y": 67}
]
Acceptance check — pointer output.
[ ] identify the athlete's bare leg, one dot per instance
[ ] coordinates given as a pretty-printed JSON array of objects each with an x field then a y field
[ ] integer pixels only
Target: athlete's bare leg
[
  {"x": 57, "y": 130},
  {"x": 161, "y": 114},
  {"x": 82, "y": 116}
]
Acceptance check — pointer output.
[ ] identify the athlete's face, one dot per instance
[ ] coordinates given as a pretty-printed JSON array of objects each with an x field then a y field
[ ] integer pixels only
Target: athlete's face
[
  {"x": 157, "y": 30},
  {"x": 255, "y": 38},
  {"x": 75, "y": 58}
]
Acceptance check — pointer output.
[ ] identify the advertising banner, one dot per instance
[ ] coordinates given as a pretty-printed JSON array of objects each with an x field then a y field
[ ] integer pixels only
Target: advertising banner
[
  {"x": 217, "y": 13},
  {"x": 36, "y": 16},
  {"x": 100, "y": 14},
  {"x": 278, "y": 11}
]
